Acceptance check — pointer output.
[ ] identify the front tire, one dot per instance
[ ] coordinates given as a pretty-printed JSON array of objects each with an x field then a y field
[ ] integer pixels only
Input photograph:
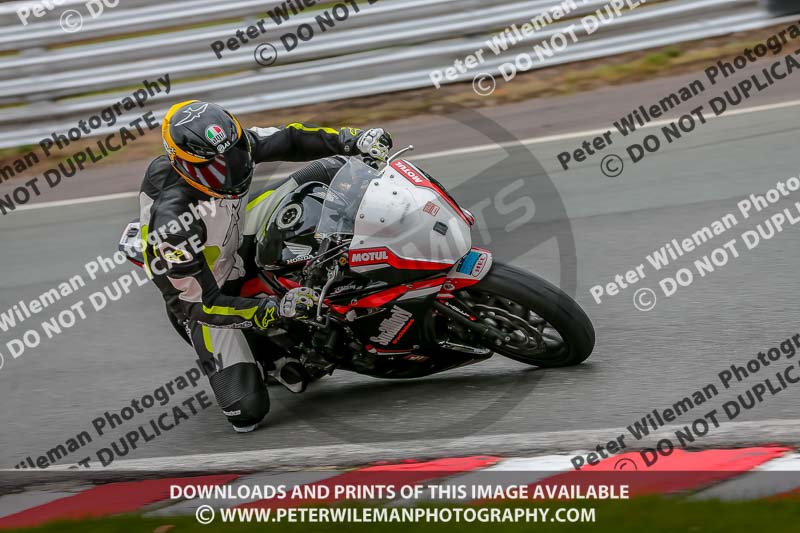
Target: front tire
[{"x": 541, "y": 324}]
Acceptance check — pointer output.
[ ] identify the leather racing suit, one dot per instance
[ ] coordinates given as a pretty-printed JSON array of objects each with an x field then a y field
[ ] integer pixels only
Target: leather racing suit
[{"x": 203, "y": 250}]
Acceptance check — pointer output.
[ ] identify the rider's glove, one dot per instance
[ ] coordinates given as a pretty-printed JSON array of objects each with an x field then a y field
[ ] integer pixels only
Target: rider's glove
[
  {"x": 266, "y": 314},
  {"x": 375, "y": 143},
  {"x": 299, "y": 303}
]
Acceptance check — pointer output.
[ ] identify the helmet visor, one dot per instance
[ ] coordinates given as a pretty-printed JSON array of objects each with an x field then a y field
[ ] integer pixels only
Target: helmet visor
[{"x": 228, "y": 174}]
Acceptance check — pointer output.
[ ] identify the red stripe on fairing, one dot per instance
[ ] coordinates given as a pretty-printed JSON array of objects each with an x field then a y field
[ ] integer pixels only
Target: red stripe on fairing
[
  {"x": 370, "y": 348},
  {"x": 381, "y": 298},
  {"x": 403, "y": 332},
  {"x": 255, "y": 287},
  {"x": 105, "y": 500},
  {"x": 681, "y": 471},
  {"x": 458, "y": 284},
  {"x": 415, "y": 176},
  {"x": 390, "y": 475},
  {"x": 287, "y": 283}
]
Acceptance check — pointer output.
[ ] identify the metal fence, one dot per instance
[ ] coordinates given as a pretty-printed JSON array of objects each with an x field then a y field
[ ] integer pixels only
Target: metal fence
[{"x": 50, "y": 78}]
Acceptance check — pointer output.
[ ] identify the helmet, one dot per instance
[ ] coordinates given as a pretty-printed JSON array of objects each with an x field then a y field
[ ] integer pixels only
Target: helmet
[{"x": 208, "y": 148}]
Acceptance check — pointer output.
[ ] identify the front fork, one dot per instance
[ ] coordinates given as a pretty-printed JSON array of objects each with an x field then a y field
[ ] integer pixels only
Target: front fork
[
  {"x": 472, "y": 268},
  {"x": 467, "y": 320}
]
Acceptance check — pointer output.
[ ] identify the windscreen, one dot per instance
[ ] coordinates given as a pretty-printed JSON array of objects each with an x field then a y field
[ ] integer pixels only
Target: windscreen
[{"x": 344, "y": 198}]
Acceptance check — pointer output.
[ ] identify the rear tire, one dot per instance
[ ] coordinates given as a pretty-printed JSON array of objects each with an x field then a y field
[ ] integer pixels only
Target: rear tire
[{"x": 540, "y": 301}]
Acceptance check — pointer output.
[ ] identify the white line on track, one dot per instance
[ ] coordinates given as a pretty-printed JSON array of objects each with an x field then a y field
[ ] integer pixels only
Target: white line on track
[
  {"x": 434, "y": 155},
  {"x": 729, "y": 434}
]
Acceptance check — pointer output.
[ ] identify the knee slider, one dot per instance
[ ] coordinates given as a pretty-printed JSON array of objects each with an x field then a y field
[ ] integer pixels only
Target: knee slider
[
  {"x": 250, "y": 410},
  {"x": 241, "y": 393}
]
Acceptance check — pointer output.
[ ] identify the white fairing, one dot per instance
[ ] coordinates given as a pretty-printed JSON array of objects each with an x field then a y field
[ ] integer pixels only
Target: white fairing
[{"x": 404, "y": 213}]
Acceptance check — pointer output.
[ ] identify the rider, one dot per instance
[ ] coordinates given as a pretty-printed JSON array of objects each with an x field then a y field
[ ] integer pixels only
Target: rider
[{"x": 204, "y": 180}]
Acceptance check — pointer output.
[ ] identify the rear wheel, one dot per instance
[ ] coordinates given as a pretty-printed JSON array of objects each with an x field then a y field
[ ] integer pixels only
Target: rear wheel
[{"x": 538, "y": 323}]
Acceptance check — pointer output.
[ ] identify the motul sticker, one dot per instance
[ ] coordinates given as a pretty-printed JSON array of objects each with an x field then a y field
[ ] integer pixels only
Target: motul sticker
[
  {"x": 368, "y": 257},
  {"x": 409, "y": 173}
]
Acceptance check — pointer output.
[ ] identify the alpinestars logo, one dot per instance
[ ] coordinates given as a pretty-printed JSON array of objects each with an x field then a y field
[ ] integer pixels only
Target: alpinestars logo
[
  {"x": 192, "y": 113},
  {"x": 368, "y": 257},
  {"x": 393, "y": 326}
]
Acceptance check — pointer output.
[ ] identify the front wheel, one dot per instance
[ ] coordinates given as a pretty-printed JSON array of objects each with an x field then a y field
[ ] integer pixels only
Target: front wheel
[{"x": 537, "y": 322}]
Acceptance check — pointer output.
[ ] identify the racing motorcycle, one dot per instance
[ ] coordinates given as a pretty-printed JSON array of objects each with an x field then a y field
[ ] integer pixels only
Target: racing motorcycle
[{"x": 403, "y": 293}]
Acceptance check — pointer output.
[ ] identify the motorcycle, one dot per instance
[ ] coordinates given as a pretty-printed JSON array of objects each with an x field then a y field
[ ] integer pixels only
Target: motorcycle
[{"x": 403, "y": 293}]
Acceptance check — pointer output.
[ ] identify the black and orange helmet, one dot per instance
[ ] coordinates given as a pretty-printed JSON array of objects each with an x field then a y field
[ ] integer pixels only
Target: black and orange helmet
[{"x": 208, "y": 148}]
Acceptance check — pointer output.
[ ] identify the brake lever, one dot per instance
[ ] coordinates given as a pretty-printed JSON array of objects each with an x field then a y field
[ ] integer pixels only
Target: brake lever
[
  {"x": 332, "y": 275},
  {"x": 398, "y": 153}
]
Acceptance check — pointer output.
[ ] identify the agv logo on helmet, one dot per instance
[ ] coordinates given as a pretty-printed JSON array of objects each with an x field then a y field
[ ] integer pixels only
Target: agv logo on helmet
[{"x": 218, "y": 138}]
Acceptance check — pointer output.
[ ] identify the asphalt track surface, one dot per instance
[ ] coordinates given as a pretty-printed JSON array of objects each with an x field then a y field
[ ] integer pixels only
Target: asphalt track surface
[{"x": 642, "y": 361}]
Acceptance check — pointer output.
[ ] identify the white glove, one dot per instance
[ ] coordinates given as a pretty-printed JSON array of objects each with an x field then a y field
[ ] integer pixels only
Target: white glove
[
  {"x": 375, "y": 143},
  {"x": 299, "y": 303}
]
